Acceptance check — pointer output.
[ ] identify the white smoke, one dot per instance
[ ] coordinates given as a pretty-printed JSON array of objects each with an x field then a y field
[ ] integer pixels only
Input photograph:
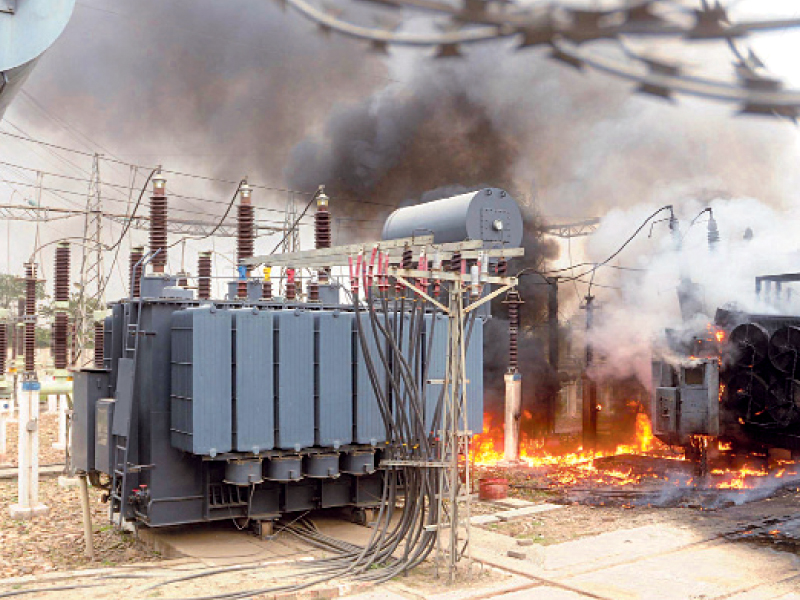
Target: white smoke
[{"x": 641, "y": 299}]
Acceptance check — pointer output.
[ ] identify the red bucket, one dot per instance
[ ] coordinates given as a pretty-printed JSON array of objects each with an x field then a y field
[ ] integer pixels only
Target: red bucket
[{"x": 492, "y": 488}]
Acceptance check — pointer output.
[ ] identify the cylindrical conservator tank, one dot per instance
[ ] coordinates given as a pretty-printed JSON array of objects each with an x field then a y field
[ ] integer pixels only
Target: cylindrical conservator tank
[
  {"x": 490, "y": 214},
  {"x": 27, "y": 29}
]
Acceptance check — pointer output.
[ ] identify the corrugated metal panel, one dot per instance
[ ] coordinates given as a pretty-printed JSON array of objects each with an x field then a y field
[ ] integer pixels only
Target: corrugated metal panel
[
  {"x": 201, "y": 406},
  {"x": 294, "y": 425},
  {"x": 334, "y": 379},
  {"x": 254, "y": 405},
  {"x": 475, "y": 378},
  {"x": 437, "y": 365},
  {"x": 368, "y": 426}
]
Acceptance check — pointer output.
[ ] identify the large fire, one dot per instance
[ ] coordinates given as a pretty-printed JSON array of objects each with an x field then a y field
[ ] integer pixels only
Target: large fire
[
  {"x": 578, "y": 467},
  {"x": 487, "y": 447}
]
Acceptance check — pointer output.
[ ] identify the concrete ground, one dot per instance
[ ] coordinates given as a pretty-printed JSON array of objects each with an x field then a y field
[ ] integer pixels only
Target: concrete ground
[{"x": 745, "y": 552}]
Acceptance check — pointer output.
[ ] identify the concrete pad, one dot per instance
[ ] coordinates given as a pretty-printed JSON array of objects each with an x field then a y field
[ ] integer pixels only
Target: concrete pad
[
  {"x": 541, "y": 593},
  {"x": 513, "y": 503},
  {"x": 703, "y": 571},
  {"x": 219, "y": 544},
  {"x": 492, "y": 548},
  {"x": 484, "y": 519},
  {"x": 379, "y": 594},
  {"x": 519, "y": 513},
  {"x": 608, "y": 549}
]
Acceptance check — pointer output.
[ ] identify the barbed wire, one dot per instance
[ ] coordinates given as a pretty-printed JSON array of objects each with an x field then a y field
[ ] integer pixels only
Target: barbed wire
[{"x": 569, "y": 32}]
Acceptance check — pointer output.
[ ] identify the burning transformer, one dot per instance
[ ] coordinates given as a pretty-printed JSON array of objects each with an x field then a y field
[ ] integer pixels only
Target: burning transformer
[{"x": 739, "y": 383}]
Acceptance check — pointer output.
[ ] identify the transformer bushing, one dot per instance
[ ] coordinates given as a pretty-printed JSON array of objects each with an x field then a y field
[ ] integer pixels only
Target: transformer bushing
[
  {"x": 204, "y": 276},
  {"x": 61, "y": 296},
  {"x": 407, "y": 262},
  {"x": 513, "y": 301},
  {"x": 134, "y": 271},
  {"x": 158, "y": 224},
  {"x": 5, "y": 388},
  {"x": 266, "y": 286},
  {"x": 322, "y": 229},
  {"x": 99, "y": 338},
  {"x": 183, "y": 279},
  {"x": 30, "y": 318},
  {"x": 245, "y": 238},
  {"x": 291, "y": 285},
  {"x": 313, "y": 291},
  {"x": 3, "y": 345}
]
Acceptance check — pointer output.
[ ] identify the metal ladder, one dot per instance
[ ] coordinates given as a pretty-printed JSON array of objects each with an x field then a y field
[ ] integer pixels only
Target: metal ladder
[{"x": 121, "y": 445}]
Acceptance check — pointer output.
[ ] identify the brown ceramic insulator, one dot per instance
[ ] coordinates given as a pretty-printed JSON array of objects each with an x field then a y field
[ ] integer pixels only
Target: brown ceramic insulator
[
  {"x": 322, "y": 236},
  {"x": 183, "y": 279},
  {"x": 99, "y": 335},
  {"x": 158, "y": 230},
  {"x": 266, "y": 290},
  {"x": 204, "y": 275},
  {"x": 60, "y": 339},
  {"x": 313, "y": 291},
  {"x": 60, "y": 332},
  {"x": 13, "y": 328},
  {"x": 455, "y": 262},
  {"x": 61, "y": 291},
  {"x": 30, "y": 317},
  {"x": 73, "y": 347},
  {"x": 513, "y": 302},
  {"x": 20, "y": 332},
  {"x": 3, "y": 347},
  {"x": 246, "y": 233},
  {"x": 134, "y": 272},
  {"x": 502, "y": 267},
  {"x": 291, "y": 290},
  {"x": 241, "y": 290},
  {"x": 406, "y": 262}
]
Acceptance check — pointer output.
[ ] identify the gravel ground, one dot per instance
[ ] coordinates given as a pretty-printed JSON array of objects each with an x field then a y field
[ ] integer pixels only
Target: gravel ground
[
  {"x": 55, "y": 542},
  {"x": 48, "y": 429}
]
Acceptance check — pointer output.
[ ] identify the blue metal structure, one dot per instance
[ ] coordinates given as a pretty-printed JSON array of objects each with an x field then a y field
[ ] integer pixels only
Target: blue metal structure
[{"x": 27, "y": 29}]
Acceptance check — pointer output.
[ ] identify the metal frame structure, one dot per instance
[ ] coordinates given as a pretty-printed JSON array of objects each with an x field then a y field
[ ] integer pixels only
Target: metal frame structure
[{"x": 450, "y": 457}]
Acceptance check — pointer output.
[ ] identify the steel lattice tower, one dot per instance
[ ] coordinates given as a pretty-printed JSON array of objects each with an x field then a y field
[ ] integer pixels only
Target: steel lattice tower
[{"x": 91, "y": 282}]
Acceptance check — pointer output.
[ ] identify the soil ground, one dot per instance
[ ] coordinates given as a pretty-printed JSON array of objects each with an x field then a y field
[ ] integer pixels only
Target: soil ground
[{"x": 627, "y": 552}]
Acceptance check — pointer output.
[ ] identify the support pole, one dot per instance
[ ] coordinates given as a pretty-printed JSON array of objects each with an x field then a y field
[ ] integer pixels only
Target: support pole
[
  {"x": 512, "y": 417},
  {"x": 553, "y": 350},
  {"x": 4, "y": 406},
  {"x": 61, "y": 439},
  {"x": 87, "y": 517},
  {"x": 589, "y": 386},
  {"x": 28, "y": 505}
]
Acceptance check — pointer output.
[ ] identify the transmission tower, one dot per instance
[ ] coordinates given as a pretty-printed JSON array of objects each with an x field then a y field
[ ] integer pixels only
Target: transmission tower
[
  {"x": 91, "y": 282},
  {"x": 291, "y": 233}
]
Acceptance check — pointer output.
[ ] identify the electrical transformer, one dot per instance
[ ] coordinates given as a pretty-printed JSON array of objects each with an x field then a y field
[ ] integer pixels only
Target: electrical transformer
[{"x": 254, "y": 406}]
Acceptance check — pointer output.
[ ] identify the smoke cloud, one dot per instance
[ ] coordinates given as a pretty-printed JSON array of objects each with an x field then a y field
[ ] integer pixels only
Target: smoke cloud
[
  {"x": 632, "y": 319},
  {"x": 236, "y": 88}
]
